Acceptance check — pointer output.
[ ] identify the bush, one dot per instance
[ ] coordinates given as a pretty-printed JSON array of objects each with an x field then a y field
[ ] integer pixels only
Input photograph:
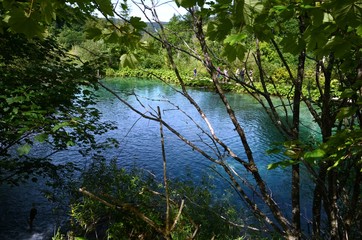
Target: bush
[
  {"x": 110, "y": 72},
  {"x": 281, "y": 76},
  {"x": 134, "y": 193}
]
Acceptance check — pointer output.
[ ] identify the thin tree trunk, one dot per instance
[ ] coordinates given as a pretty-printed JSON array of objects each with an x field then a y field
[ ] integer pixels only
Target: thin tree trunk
[
  {"x": 252, "y": 168},
  {"x": 317, "y": 203},
  {"x": 295, "y": 130},
  {"x": 352, "y": 213},
  {"x": 167, "y": 233},
  {"x": 332, "y": 190}
]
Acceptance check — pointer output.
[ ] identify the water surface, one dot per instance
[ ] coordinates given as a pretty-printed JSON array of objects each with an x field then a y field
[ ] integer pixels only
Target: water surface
[{"x": 140, "y": 146}]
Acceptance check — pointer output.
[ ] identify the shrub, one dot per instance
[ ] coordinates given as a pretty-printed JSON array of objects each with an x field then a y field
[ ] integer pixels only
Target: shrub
[
  {"x": 146, "y": 196},
  {"x": 281, "y": 76}
]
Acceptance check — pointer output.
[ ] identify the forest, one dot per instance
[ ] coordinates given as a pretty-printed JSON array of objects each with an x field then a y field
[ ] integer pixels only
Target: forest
[{"x": 286, "y": 55}]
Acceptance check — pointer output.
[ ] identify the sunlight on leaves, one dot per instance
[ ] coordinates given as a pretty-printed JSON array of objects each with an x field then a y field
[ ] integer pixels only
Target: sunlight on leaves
[{"x": 128, "y": 60}]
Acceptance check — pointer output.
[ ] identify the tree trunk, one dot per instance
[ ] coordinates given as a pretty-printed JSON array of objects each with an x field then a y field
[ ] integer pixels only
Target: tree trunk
[
  {"x": 317, "y": 203},
  {"x": 295, "y": 130},
  {"x": 251, "y": 166}
]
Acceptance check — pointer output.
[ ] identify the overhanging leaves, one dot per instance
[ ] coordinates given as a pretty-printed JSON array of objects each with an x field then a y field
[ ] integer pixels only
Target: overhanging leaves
[
  {"x": 137, "y": 23},
  {"x": 218, "y": 30},
  {"x": 41, "y": 101},
  {"x": 186, "y": 3},
  {"x": 314, "y": 155},
  {"x": 129, "y": 60},
  {"x": 105, "y": 7},
  {"x": 234, "y": 51},
  {"x": 346, "y": 112},
  {"x": 282, "y": 164},
  {"x": 235, "y": 38}
]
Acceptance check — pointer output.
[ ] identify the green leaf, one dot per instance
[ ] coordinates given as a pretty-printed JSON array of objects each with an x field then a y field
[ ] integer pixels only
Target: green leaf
[
  {"x": 217, "y": 30},
  {"x": 41, "y": 137},
  {"x": 292, "y": 44},
  {"x": 282, "y": 164},
  {"x": 128, "y": 60},
  {"x": 317, "y": 16},
  {"x": 340, "y": 46},
  {"x": 307, "y": 6},
  {"x": 347, "y": 93},
  {"x": 93, "y": 32},
  {"x": 186, "y": 3},
  {"x": 317, "y": 153},
  {"x": 59, "y": 126},
  {"x": 347, "y": 13},
  {"x": 291, "y": 153},
  {"x": 105, "y": 6},
  {"x": 335, "y": 164},
  {"x": 359, "y": 30},
  {"x": 238, "y": 15},
  {"x": 359, "y": 101},
  {"x": 15, "y": 110},
  {"x": 229, "y": 52},
  {"x": 318, "y": 37},
  {"x": 235, "y": 38},
  {"x": 20, "y": 23},
  {"x": 17, "y": 99},
  {"x": 113, "y": 37},
  {"x": 280, "y": 8},
  {"x": 346, "y": 112},
  {"x": 137, "y": 23},
  {"x": 273, "y": 151},
  {"x": 24, "y": 149},
  {"x": 48, "y": 11}
]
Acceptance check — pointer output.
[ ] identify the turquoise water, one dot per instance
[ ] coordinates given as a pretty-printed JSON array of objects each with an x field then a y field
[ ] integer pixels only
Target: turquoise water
[{"x": 140, "y": 147}]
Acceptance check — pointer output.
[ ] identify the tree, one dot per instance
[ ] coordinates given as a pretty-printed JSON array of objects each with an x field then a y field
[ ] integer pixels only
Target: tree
[{"x": 45, "y": 97}]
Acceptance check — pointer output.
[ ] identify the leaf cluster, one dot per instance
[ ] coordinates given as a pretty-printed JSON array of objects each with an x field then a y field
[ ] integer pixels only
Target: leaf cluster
[
  {"x": 44, "y": 95},
  {"x": 32, "y": 18}
]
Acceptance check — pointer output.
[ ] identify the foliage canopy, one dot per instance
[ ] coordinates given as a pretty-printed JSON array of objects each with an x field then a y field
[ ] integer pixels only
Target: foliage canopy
[{"x": 317, "y": 43}]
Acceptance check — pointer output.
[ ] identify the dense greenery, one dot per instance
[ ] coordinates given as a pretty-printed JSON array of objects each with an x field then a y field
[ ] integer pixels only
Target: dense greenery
[
  {"x": 128, "y": 198},
  {"x": 304, "y": 52},
  {"x": 45, "y": 98},
  {"x": 202, "y": 81}
]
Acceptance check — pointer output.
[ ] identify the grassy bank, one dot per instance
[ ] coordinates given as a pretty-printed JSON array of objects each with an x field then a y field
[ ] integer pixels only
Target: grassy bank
[{"x": 280, "y": 88}]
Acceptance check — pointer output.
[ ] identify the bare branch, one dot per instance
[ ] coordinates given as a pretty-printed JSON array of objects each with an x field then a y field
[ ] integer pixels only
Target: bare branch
[
  {"x": 177, "y": 218},
  {"x": 167, "y": 220},
  {"x": 124, "y": 206}
]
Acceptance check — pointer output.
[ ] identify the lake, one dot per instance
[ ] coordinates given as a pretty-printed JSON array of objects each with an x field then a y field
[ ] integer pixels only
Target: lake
[{"x": 140, "y": 146}]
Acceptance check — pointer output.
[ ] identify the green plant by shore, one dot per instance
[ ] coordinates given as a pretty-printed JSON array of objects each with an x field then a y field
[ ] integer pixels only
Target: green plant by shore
[{"x": 281, "y": 87}]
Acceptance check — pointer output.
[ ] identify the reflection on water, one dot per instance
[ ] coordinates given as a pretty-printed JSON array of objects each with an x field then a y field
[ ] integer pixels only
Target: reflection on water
[{"x": 140, "y": 146}]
